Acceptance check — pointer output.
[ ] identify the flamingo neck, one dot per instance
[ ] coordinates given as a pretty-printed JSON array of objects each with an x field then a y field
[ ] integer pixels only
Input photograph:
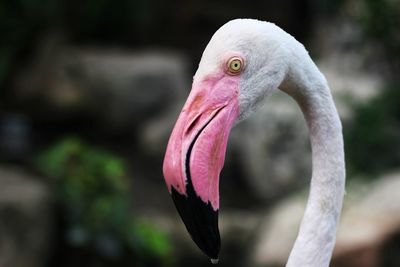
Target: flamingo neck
[{"x": 316, "y": 238}]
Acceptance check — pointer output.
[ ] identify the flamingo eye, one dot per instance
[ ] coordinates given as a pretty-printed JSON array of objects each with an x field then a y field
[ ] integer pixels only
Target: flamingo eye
[{"x": 235, "y": 65}]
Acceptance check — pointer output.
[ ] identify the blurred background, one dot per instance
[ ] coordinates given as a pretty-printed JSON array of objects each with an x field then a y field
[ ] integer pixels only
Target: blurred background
[{"x": 90, "y": 90}]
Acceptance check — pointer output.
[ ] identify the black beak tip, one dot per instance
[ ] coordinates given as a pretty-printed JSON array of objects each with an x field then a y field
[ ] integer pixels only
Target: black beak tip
[{"x": 201, "y": 221}]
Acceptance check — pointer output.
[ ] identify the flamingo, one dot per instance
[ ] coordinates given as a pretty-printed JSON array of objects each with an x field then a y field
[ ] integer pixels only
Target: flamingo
[{"x": 244, "y": 62}]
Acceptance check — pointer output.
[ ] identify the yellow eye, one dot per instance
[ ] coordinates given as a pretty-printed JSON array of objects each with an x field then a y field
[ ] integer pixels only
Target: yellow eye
[{"x": 235, "y": 65}]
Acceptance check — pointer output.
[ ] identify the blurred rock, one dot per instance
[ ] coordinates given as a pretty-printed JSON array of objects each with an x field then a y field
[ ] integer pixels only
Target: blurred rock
[
  {"x": 154, "y": 134},
  {"x": 121, "y": 89},
  {"x": 370, "y": 223},
  {"x": 25, "y": 220},
  {"x": 277, "y": 233},
  {"x": 131, "y": 88},
  {"x": 272, "y": 148}
]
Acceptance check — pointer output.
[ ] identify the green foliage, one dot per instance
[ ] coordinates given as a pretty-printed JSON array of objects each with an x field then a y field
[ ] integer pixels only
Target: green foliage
[
  {"x": 327, "y": 6},
  {"x": 381, "y": 18},
  {"x": 150, "y": 239},
  {"x": 372, "y": 140},
  {"x": 381, "y": 21},
  {"x": 92, "y": 189}
]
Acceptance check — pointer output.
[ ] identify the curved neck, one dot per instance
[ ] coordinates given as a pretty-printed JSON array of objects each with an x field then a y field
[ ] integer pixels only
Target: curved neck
[{"x": 316, "y": 238}]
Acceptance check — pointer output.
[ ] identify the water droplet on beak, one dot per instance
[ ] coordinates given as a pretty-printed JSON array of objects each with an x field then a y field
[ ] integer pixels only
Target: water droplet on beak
[{"x": 214, "y": 261}]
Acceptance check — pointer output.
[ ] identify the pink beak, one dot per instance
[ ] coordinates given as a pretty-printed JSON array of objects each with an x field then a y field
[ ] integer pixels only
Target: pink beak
[{"x": 195, "y": 156}]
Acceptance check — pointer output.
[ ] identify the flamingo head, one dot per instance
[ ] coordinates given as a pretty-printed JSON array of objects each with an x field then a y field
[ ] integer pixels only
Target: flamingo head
[{"x": 240, "y": 66}]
